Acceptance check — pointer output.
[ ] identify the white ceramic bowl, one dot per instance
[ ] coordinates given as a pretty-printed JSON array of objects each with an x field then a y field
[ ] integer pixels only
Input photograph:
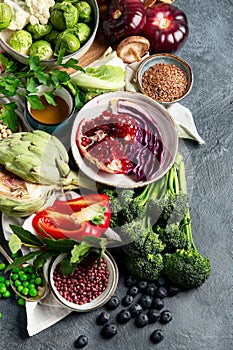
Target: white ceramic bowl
[
  {"x": 101, "y": 299},
  {"x": 6, "y": 34},
  {"x": 163, "y": 119},
  {"x": 165, "y": 58}
]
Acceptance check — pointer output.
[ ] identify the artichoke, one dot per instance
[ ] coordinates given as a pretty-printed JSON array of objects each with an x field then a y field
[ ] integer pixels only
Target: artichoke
[
  {"x": 19, "y": 198},
  {"x": 36, "y": 157}
]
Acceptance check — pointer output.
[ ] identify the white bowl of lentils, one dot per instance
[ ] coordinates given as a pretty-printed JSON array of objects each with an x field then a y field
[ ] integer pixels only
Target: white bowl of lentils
[
  {"x": 89, "y": 287},
  {"x": 165, "y": 78}
]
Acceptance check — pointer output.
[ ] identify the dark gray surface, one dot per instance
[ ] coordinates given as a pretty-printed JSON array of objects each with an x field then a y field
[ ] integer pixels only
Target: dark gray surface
[{"x": 202, "y": 318}]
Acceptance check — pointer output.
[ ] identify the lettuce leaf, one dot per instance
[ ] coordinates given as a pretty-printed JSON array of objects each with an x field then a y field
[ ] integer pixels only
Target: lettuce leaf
[{"x": 105, "y": 77}]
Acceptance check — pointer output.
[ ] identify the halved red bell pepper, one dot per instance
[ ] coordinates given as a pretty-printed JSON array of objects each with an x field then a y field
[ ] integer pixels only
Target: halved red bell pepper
[{"x": 88, "y": 215}]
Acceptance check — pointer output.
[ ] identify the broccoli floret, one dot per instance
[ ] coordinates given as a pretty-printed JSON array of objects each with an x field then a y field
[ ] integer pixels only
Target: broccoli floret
[
  {"x": 115, "y": 206},
  {"x": 146, "y": 268},
  {"x": 173, "y": 237},
  {"x": 143, "y": 240},
  {"x": 187, "y": 268}
]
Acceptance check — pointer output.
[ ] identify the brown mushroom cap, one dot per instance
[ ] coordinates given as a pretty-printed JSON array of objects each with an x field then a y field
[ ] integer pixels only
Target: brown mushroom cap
[{"x": 132, "y": 48}]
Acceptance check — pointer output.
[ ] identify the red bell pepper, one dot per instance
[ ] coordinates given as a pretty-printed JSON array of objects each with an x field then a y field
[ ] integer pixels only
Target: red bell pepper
[{"x": 88, "y": 215}]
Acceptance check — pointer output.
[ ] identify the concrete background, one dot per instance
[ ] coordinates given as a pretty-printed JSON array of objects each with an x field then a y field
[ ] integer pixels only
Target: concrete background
[{"x": 202, "y": 318}]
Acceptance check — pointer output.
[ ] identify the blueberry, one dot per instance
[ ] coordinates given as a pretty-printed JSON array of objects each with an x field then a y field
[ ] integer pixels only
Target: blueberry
[
  {"x": 103, "y": 318},
  {"x": 165, "y": 316},
  {"x": 161, "y": 281},
  {"x": 127, "y": 300},
  {"x": 81, "y": 342},
  {"x": 141, "y": 320},
  {"x": 145, "y": 301},
  {"x": 133, "y": 291},
  {"x": 153, "y": 315},
  {"x": 156, "y": 336},
  {"x": 135, "y": 309},
  {"x": 173, "y": 290},
  {"x": 151, "y": 290},
  {"x": 130, "y": 281},
  {"x": 113, "y": 303},
  {"x": 161, "y": 292},
  {"x": 157, "y": 303},
  {"x": 142, "y": 285},
  {"x": 109, "y": 330},
  {"x": 123, "y": 316}
]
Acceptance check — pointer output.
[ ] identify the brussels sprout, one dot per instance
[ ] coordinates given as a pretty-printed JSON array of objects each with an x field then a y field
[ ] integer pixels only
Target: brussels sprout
[
  {"x": 63, "y": 15},
  {"x": 5, "y": 15},
  {"x": 67, "y": 41},
  {"x": 52, "y": 36},
  {"x": 38, "y": 30},
  {"x": 42, "y": 49},
  {"x": 20, "y": 41},
  {"x": 85, "y": 11},
  {"x": 83, "y": 32}
]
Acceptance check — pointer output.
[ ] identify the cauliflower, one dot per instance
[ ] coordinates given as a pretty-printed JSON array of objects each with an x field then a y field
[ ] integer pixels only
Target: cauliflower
[
  {"x": 39, "y": 10},
  {"x": 29, "y": 11},
  {"x": 20, "y": 14}
]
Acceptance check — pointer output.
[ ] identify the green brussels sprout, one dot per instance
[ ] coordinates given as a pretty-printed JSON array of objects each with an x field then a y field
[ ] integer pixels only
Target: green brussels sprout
[
  {"x": 20, "y": 41},
  {"x": 63, "y": 15},
  {"x": 66, "y": 41},
  {"x": 5, "y": 15},
  {"x": 38, "y": 30},
  {"x": 52, "y": 36},
  {"x": 83, "y": 32},
  {"x": 42, "y": 49},
  {"x": 85, "y": 11}
]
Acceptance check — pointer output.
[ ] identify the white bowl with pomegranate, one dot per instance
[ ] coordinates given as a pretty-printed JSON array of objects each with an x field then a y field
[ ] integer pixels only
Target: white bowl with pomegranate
[
  {"x": 89, "y": 287},
  {"x": 124, "y": 139}
]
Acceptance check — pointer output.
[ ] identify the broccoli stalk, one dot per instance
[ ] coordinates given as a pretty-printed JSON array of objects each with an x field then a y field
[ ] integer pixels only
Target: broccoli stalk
[{"x": 186, "y": 267}]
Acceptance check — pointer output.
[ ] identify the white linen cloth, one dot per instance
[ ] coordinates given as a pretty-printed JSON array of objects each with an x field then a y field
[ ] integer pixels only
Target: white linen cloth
[{"x": 45, "y": 313}]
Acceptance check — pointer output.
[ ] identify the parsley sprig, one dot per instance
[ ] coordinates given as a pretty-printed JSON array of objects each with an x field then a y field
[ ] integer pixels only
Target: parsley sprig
[{"x": 21, "y": 80}]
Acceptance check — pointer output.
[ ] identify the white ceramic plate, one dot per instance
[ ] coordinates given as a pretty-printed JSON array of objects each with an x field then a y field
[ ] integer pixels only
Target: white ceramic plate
[{"x": 163, "y": 119}]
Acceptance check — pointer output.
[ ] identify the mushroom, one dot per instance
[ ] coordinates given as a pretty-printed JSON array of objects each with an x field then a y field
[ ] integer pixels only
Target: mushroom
[{"x": 133, "y": 48}]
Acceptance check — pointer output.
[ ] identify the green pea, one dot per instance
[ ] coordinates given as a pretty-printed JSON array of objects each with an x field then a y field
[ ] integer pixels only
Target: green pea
[
  {"x": 26, "y": 283},
  {"x": 25, "y": 291},
  {"x": 33, "y": 292},
  {"x": 2, "y": 288},
  {"x": 0, "y": 315},
  {"x": 17, "y": 283},
  {"x": 16, "y": 269},
  {"x": 7, "y": 283},
  {"x": 23, "y": 277},
  {"x": 21, "y": 302},
  {"x": 14, "y": 255},
  {"x": 2, "y": 279},
  {"x": 2, "y": 266},
  {"x": 7, "y": 294},
  {"x": 14, "y": 276},
  {"x": 38, "y": 281},
  {"x": 20, "y": 288},
  {"x": 31, "y": 285}
]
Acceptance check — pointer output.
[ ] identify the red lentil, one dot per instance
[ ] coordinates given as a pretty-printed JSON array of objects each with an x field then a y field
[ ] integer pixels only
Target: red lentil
[
  {"x": 84, "y": 285},
  {"x": 164, "y": 82}
]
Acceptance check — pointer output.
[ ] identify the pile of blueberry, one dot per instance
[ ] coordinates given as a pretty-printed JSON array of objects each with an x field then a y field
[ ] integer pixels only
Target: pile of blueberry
[{"x": 143, "y": 302}]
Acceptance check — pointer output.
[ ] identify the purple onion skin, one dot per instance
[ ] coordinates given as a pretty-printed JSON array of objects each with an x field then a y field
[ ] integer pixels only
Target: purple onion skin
[{"x": 124, "y": 18}]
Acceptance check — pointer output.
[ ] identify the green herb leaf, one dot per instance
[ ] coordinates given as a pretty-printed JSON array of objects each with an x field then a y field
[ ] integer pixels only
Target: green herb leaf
[
  {"x": 35, "y": 102},
  {"x": 22, "y": 259},
  {"x": 9, "y": 86},
  {"x": 34, "y": 63},
  {"x": 57, "y": 76},
  {"x": 31, "y": 85},
  {"x": 95, "y": 241},
  {"x": 61, "y": 245},
  {"x": 9, "y": 66},
  {"x": 50, "y": 98},
  {"x": 79, "y": 252},
  {"x": 73, "y": 63},
  {"x": 9, "y": 117},
  {"x": 41, "y": 259},
  {"x": 60, "y": 55},
  {"x": 66, "y": 267},
  {"x": 26, "y": 237},
  {"x": 43, "y": 78},
  {"x": 15, "y": 243}
]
